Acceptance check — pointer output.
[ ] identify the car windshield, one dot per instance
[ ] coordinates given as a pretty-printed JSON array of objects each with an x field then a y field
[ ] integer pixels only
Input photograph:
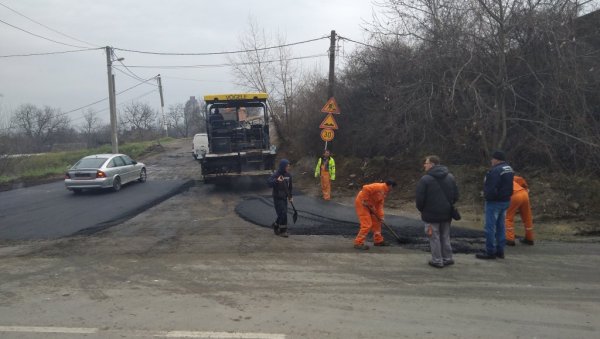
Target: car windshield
[{"x": 89, "y": 163}]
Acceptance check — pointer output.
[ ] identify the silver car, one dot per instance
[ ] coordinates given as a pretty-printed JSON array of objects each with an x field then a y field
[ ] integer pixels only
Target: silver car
[{"x": 104, "y": 171}]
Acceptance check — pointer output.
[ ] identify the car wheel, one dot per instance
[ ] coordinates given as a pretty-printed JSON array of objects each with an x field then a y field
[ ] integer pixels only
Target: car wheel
[
  {"x": 143, "y": 175},
  {"x": 77, "y": 190},
  {"x": 116, "y": 184}
]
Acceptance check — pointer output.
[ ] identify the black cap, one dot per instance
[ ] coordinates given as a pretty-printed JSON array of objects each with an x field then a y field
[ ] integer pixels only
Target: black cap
[
  {"x": 499, "y": 155},
  {"x": 390, "y": 182}
]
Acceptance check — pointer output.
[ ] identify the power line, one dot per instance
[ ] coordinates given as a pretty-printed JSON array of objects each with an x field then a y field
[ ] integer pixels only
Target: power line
[
  {"x": 120, "y": 60},
  {"x": 226, "y": 52},
  {"x": 50, "y": 28},
  {"x": 49, "y": 53},
  {"x": 367, "y": 45},
  {"x": 39, "y": 36},
  {"x": 226, "y": 64},
  {"x": 99, "y": 101},
  {"x": 122, "y": 103},
  {"x": 188, "y": 79},
  {"x": 134, "y": 77}
]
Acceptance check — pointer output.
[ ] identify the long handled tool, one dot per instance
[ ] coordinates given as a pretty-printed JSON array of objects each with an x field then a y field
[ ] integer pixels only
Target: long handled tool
[
  {"x": 384, "y": 224},
  {"x": 295, "y": 215}
]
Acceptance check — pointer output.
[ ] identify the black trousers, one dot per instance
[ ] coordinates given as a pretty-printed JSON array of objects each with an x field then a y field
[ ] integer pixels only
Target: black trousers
[{"x": 281, "y": 207}]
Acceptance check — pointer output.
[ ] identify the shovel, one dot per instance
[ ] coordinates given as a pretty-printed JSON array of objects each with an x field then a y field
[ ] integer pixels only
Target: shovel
[
  {"x": 295, "y": 215},
  {"x": 384, "y": 224}
]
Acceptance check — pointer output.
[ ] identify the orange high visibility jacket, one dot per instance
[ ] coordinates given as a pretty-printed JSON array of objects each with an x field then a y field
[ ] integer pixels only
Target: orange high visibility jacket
[
  {"x": 374, "y": 195},
  {"x": 519, "y": 184}
]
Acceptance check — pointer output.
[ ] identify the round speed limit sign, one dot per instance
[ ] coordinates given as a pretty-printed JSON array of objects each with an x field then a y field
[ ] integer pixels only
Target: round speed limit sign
[{"x": 327, "y": 134}]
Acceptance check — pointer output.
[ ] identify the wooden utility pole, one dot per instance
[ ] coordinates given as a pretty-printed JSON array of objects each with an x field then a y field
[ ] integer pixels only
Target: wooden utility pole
[
  {"x": 112, "y": 101},
  {"x": 331, "y": 65},
  {"x": 162, "y": 107}
]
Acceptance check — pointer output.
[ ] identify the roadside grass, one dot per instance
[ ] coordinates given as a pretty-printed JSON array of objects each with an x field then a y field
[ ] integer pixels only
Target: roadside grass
[{"x": 52, "y": 165}]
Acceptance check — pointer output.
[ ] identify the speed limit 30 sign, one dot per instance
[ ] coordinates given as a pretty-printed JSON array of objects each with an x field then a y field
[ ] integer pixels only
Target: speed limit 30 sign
[{"x": 327, "y": 134}]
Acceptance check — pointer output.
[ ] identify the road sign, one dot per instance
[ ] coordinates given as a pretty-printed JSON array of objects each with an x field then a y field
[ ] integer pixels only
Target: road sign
[
  {"x": 329, "y": 122},
  {"x": 331, "y": 107},
  {"x": 327, "y": 134}
]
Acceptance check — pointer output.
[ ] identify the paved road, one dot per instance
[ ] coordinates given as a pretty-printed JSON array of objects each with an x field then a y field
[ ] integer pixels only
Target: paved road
[
  {"x": 318, "y": 217},
  {"x": 50, "y": 211}
]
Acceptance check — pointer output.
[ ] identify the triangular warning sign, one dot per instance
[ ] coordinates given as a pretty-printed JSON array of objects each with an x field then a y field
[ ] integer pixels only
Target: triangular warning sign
[
  {"x": 329, "y": 122},
  {"x": 331, "y": 107}
]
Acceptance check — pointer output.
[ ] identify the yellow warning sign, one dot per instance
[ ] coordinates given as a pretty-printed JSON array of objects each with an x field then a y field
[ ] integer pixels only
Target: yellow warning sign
[
  {"x": 329, "y": 122},
  {"x": 331, "y": 107},
  {"x": 327, "y": 134}
]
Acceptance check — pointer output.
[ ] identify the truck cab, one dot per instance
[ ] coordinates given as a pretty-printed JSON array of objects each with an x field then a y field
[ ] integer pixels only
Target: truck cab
[{"x": 238, "y": 136}]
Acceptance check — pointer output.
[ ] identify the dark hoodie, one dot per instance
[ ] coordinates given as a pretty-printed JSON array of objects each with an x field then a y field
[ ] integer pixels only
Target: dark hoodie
[
  {"x": 430, "y": 199},
  {"x": 279, "y": 189}
]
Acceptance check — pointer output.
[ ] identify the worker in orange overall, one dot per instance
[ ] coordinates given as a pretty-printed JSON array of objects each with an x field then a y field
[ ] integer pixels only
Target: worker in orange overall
[
  {"x": 519, "y": 201},
  {"x": 326, "y": 169},
  {"x": 369, "y": 209}
]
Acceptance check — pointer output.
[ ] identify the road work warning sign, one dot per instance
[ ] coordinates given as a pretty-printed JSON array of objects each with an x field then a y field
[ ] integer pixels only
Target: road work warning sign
[
  {"x": 329, "y": 122},
  {"x": 331, "y": 107}
]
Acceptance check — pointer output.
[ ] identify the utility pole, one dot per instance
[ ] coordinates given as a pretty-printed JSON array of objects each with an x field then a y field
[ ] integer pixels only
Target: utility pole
[
  {"x": 162, "y": 106},
  {"x": 112, "y": 101},
  {"x": 331, "y": 65}
]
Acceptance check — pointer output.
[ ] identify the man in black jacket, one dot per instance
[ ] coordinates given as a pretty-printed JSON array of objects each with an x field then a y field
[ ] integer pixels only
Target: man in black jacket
[
  {"x": 281, "y": 182},
  {"x": 497, "y": 190},
  {"x": 435, "y": 197}
]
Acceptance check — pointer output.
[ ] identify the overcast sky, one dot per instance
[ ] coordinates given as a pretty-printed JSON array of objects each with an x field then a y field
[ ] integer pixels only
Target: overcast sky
[{"x": 69, "y": 81}]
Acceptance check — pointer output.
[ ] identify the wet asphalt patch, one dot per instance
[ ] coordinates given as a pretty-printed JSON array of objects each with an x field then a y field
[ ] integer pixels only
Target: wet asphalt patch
[{"x": 319, "y": 217}]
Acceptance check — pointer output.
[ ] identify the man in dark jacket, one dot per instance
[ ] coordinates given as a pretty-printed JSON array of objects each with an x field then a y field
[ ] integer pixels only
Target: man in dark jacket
[
  {"x": 497, "y": 190},
  {"x": 435, "y": 197},
  {"x": 281, "y": 182}
]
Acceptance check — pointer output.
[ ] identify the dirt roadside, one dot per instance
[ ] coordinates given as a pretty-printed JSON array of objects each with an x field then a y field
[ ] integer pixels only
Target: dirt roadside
[{"x": 191, "y": 264}]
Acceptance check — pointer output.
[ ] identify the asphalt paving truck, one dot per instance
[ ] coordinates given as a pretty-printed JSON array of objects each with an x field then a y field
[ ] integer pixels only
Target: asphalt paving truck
[{"x": 237, "y": 127}]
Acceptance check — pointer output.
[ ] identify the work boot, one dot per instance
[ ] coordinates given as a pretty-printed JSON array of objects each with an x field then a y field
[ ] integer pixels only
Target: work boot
[
  {"x": 283, "y": 232},
  {"x": 275, "y": 228},
  {"x": 436, "y": 264},
  {"x": 526, "y": 242},
  {"x": 448, "y": 262},
  {"x": 510, "y": 243},
  {"x": 383, "y": 243},
  {"x": 361, "y": 247},
  {"x": 485, "y": 256},
  {"x": 500, "y": 255}
]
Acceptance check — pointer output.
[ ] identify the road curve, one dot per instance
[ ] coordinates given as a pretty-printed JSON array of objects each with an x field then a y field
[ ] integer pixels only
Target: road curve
[{"x": 49, "y": 211}]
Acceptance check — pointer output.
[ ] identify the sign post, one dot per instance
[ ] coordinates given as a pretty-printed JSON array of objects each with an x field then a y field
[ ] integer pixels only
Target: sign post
[{"x": 328, "y": 124}]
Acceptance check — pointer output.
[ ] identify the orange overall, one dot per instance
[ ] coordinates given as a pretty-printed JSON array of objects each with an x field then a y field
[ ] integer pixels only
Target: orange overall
[
  {"x": 519, "y": 202},
  {"x": 325, "y": 181},
  {"x": 372, "y": 196}
]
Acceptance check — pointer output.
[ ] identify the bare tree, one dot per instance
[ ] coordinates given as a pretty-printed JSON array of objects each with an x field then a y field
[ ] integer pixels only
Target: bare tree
[
  {"x": 89, "y": 127},
  {"x": 175, "y": 120},
  {"x": 267, "y": 70},
  {"x": 138, "y": 118},
  {"x": 40, "y": 126}
]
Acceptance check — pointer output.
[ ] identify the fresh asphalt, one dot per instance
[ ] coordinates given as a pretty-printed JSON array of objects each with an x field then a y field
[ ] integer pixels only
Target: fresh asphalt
[
  {"x": 49, "y": 211},
  {"x": 320, "y": 217}
]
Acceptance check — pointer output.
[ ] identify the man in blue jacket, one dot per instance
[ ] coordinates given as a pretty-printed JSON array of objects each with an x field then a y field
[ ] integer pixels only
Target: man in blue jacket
[{"x": 497, "y": 190}]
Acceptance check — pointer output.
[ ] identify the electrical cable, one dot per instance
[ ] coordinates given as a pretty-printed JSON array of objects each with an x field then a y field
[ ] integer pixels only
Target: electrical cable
[
  {"x": 366, "y": 45},
  {"x": 99, "y": 101},
  {"x": 39, "y": 36},
  {"x": 120, "y": 104},
  {"x": 135, "y": 76},
  {"x": 50, "y": 28},
  {"x": 50, "y": 53},
  {"x": 225, "y": 65},
  {"x": 225, "y": 52}
]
